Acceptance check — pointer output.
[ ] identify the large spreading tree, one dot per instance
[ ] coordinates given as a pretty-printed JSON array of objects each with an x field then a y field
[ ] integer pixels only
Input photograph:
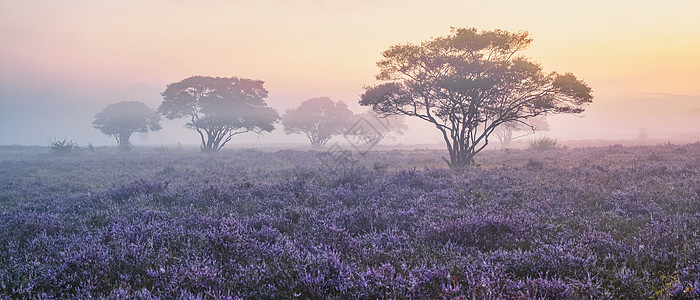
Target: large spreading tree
[
  {"x": 319, "y": 119},
  {"x": 219, "y": 108},
  {"x": 122, "y": 119},
  {"x": 468, "y": 83}
]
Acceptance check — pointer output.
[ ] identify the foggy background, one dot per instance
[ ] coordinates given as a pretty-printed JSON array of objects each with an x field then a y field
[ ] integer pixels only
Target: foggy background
[{"x": 63, "y": 62}]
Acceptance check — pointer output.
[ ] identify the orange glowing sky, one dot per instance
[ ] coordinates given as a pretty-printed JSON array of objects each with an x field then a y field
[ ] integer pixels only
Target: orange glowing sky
[{"x": 640, "y": 57}]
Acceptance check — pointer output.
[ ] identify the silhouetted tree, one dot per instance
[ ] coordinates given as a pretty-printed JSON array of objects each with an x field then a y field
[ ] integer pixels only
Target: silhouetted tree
[
  {"x": 510, "y": 131},
  {"x": 319, "y": 119},
  {"x": 219, "y": 108},
  {"x": 467, "y": 84},
  {"x": 122, "y": 119}
]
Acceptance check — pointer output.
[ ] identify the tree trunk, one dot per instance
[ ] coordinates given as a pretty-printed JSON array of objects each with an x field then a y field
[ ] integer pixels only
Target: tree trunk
[
  {"x": 460, "y": 155},
  {"x": 211, "y": 144},
  {"x": 317, "y": 142},
  {"x": 507, "y": 139},
  {"x": 123, "y": 141},
  {"x": 316, "y": 145}
]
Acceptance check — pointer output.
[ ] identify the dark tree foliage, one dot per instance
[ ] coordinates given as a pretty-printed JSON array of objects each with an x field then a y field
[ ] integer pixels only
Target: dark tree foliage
[
  {"x": 219, "y": 108},
  {"x": 319, "y": 119},
  {"x": 467, "y": 84},
  {"x": 122, "y": 119}
]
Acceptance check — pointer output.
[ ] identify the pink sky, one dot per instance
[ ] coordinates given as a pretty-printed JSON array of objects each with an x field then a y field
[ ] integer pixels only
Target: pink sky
[{"x": 640, "y": 57}]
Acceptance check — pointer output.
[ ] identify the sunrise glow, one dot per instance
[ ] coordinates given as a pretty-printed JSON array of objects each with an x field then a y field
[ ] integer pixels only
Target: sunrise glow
[{"x": 75, "y": 50}]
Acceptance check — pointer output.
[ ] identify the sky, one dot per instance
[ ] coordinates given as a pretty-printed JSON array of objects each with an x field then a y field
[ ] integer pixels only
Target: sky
[{"x": 61, "y": 62}]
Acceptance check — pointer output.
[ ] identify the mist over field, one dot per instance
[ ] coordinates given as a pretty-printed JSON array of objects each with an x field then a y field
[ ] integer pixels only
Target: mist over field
[
  {"x": 61, "y": 64},
  {"x": 324, "y": 149},
  {"x": 37, "y": 117}
]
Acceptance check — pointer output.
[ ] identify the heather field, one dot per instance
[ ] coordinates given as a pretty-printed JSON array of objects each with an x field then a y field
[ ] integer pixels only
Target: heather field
[{"x": 597, "y": 223}]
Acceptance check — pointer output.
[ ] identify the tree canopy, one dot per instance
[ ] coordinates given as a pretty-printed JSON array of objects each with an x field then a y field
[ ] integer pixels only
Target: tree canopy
[
  {"x": 468, "y": 83},
  {"x": 219, "y": 108},
  {"x": 319, "y": 119},
  {"x": 122, "y": 119}
]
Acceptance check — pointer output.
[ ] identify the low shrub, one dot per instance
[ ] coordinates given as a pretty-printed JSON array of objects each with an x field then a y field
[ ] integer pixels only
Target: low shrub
[
  {"x": 543, "y": 143},
  {"x": 64, "y": 147}
]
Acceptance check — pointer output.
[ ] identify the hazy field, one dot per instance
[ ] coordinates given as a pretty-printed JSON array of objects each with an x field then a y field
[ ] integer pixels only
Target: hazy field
[{"x": 603, "y": 223}]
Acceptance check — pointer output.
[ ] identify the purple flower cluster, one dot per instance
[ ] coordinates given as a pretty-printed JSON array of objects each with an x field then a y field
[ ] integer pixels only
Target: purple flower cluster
[{"x": 601, "y": 223}]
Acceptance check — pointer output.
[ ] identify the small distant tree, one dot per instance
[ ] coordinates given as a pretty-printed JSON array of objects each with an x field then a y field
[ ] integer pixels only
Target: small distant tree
[
  {"x": 467, "y": 84},
  {"x": 643, "y": 133},
  {"x": 511, "y": 131},
  {"x": 319, "y": 119},
  {"x": 219, "y": 108},
  {"x": 384, "y": 126},
  {"x": 122, "y": 119}
]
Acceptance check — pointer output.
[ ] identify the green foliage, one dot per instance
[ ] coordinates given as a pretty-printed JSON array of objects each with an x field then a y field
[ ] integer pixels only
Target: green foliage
[
  {"x": 543, "y": 143},
  {"x": 64, "y": 147}
]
